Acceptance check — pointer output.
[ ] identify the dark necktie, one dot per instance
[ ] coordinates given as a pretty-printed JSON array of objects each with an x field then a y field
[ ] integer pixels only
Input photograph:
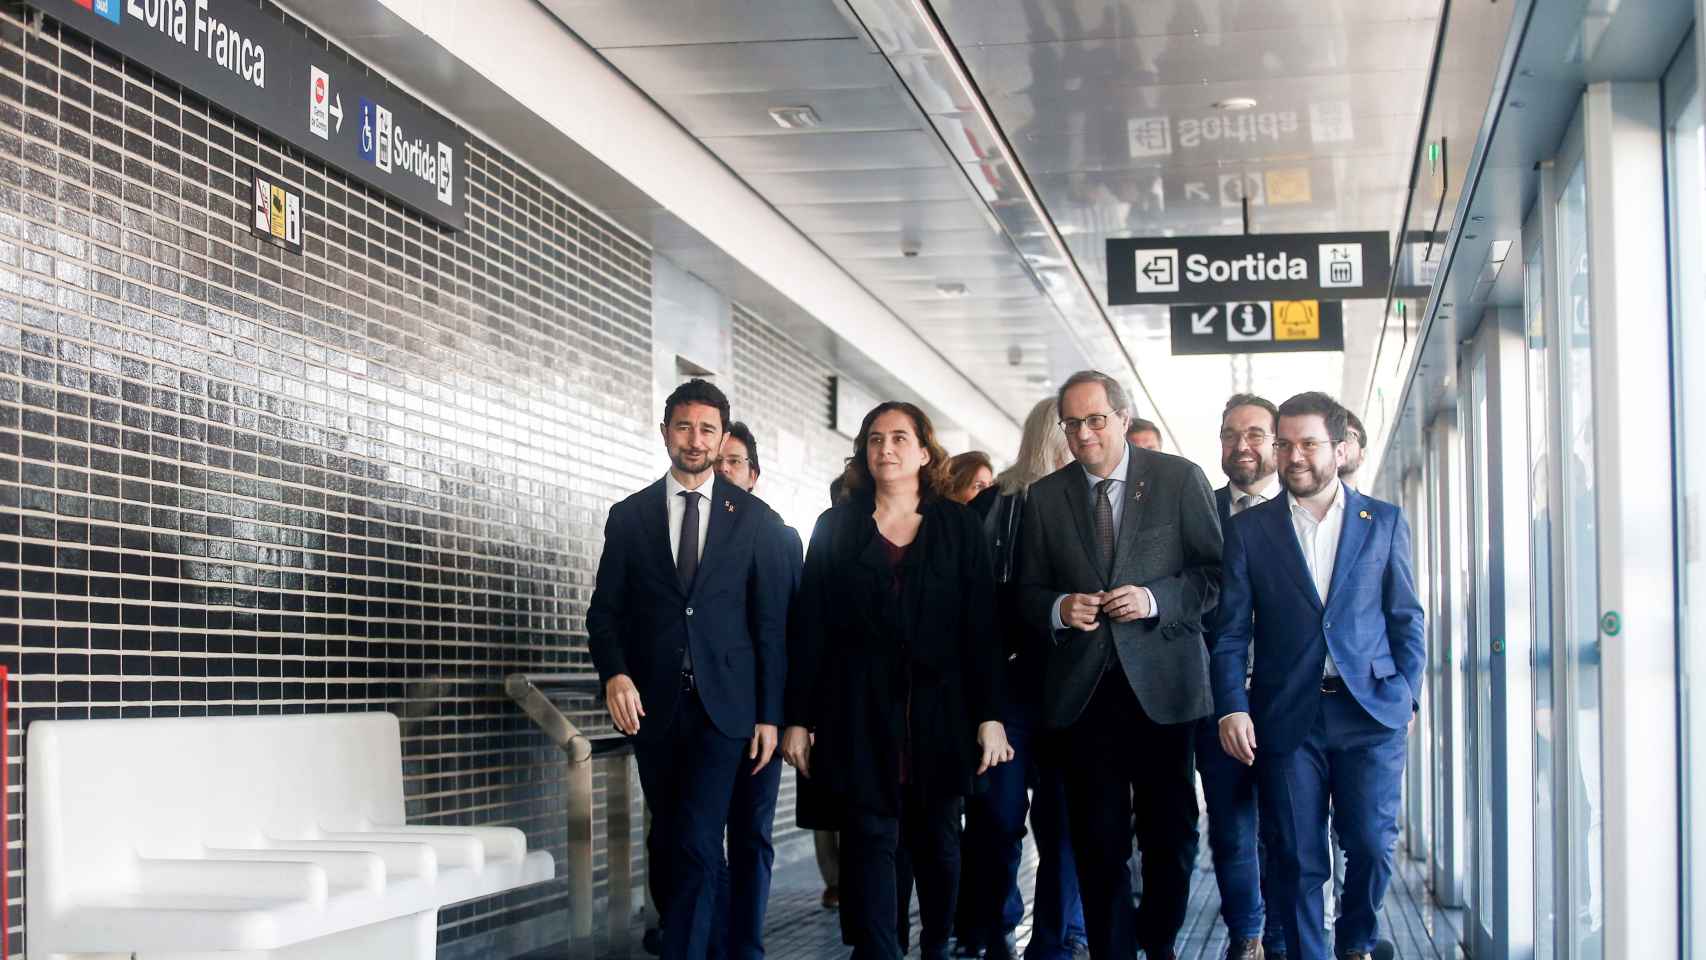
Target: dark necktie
[
  {"x": 1247, "y": 501},
  {"x": 1105, "y": 524},
  {"x": 687, "y": 557}
]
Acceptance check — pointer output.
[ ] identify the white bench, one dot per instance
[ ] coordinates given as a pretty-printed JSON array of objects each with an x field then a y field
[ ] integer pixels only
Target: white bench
[{"x": 260, "y": 838}]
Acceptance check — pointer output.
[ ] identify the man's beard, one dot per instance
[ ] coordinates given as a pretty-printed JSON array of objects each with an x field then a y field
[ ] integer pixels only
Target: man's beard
[
  {"x": 679, "y": 459},
  {"x": 1313, "y": 482},
  {"x": 1245, "y": 475}
]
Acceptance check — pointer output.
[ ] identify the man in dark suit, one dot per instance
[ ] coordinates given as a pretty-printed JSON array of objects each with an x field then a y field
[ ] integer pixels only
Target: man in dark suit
[
  {"x": 1122, "y": 563},
  {"x": 687, "y": 629},
  {"x": 1339, "y": 653},
  {"x": 1247, "y": 428},
  {"x": 744, "y": 893}
]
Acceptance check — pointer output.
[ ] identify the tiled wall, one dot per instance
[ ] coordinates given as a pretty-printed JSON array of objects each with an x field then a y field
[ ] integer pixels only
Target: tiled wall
[{"x": 235, "y": 480}]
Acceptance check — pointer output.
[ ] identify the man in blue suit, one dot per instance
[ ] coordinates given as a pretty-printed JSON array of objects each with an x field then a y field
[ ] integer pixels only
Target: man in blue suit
[
  {"x": 744, "y": 892},
  {"x": 1339, "y": 652},
  {"x": 687, "y": 629},
  {"x": 1254, "y": 931}
]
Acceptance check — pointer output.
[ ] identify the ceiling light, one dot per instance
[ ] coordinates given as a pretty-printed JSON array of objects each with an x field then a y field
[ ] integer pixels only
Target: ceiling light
[
  {"x": 1236, "y": 103},
  {"x": 951, "y": 290},
  {"x": 794, "y": 118}
]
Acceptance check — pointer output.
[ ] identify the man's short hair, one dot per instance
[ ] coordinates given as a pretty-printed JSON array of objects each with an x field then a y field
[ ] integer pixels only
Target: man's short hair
[
  {"x": 1116, "y": 393},
  {"x": 1317, "y": 404},
  {"x": 743, "y": 433},
  {"x": 697, "y": 391},
  {"x": 1140, "y": 425},
  {"x": 1355, "y": 426},
  {"x": 1251, "y": 400}
]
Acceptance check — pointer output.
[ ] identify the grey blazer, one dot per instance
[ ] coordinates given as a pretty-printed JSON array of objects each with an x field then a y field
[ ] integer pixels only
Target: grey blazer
[{"x": 1168, "y": 541}]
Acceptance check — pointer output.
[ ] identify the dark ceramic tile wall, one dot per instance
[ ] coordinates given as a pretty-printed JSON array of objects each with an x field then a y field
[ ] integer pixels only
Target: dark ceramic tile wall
[{"x": 235, "y": 480}]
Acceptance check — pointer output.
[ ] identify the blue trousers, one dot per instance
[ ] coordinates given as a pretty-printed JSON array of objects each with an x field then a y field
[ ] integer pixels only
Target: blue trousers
[
  {"x": 1237, "y": 840},
  {"x": 689, "y": 778},
  {"x": 990, "y": 903},
  {"x": 743, "y": 891},
  {"x": 1354, "y": 761}
]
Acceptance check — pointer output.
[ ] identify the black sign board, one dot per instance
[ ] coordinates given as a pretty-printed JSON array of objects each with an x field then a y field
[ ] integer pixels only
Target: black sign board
[
  {"x": 276, "y": 211},
  {"x": 253, "y": 64},
  {"x": 1224, "y": 269},
  {"x": 1258, "y": 326}
]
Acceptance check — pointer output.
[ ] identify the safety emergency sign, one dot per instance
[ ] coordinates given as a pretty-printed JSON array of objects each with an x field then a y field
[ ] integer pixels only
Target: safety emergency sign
[
  {"x": 1264, "y": 326},
  {"x": 1242, "y": 269}
]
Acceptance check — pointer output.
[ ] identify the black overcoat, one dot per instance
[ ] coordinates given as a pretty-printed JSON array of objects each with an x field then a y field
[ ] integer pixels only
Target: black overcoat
[{"x": 857, "y": 650}]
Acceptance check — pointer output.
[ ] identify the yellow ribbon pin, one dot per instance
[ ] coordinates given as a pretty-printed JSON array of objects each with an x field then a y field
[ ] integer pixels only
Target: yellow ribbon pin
[{"x": 1363, "y": 515}]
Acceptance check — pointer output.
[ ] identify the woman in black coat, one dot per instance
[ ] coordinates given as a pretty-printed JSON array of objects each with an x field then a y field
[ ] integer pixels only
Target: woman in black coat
[{"x": 893, "y": 698}]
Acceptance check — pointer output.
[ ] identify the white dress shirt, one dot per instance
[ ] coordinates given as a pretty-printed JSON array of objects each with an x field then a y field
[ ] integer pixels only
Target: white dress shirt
[
  {"x": 1269, "y": 491},
  {"x": 1319, "y": 540},
  {"x": 1116, "y": 500},
  {"x": 677, "y": 504}
]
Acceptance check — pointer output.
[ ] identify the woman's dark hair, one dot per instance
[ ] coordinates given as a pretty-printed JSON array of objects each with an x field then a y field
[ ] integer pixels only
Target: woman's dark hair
[
  {"x": 932, "y": 477},
  {"x": 963, "y": 468},
  {"x": 697, "y": 391}
]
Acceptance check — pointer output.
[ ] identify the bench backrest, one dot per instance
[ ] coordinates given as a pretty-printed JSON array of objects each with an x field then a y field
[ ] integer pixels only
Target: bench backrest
[{"x": 101, "y": 793}]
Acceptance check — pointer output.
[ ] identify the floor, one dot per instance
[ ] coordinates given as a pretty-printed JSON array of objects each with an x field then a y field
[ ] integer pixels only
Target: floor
[{"x": 798, "y": 928}]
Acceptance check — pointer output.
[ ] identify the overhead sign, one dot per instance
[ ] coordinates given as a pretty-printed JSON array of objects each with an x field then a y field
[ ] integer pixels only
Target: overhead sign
[
  {"x": 1261, "y": 326},
  {"x": 1239, "y": 135},
  {"x": 276, "y": 213},
  {"x": 1221, "y": 269},
  {"x": 253, "y": 64}
]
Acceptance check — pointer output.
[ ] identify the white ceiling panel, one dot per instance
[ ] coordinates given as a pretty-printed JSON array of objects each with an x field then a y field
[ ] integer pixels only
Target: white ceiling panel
[
  {"x": 975, "y": 23},
  {"x": 883, "y": 150},
  {"x": 861, "y": 109},
  {"x": 874, "y": 186},
  {"x": 925, "y": 216},
  {"x": 635, "y": 23},
  {"x": 751, "y": 67}
]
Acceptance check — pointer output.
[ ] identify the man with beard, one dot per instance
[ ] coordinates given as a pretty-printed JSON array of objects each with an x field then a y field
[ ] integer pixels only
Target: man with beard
[
  {"x": 1339, "y": 652},
  {"x": 1247, "y": 427},
  {"x": 1356, "y": 443},
  {"x": 687, "y": 629}
]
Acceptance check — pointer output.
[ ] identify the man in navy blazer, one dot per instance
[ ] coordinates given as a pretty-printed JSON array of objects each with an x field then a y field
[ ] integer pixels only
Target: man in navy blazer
[
  {"x": 687, "y": 629},
  {"x": 1339, "y": 653}
]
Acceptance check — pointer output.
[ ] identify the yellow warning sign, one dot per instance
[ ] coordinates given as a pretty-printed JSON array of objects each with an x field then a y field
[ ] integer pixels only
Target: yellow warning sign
[
  {"x": 1297, "y": 319},
  {"x": 1290, "y": 185},
  {"x": 277, "y": 219}
]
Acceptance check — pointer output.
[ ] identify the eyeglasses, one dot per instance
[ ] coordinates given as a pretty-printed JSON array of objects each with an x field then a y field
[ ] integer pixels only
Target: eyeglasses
[
  {"x": 732, "y": 461},
  {"x": 1095, "y": 421},
  {"x": 1309, "y": 447},
  {"x": 1254, "y": 436}
]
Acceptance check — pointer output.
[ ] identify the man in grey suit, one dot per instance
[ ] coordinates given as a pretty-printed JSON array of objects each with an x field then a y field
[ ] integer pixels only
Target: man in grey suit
[{"x": 1122, "y": 563}]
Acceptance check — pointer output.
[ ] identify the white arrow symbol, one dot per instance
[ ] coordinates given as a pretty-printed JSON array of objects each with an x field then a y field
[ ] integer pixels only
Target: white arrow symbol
[
  {"x": 1201, "y": 322},
  {"x": 338, "y": 111},
  {"x": 1196, "y": 191}
]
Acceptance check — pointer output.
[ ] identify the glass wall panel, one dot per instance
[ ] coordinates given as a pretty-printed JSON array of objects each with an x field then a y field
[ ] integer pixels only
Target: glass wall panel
[
  {"x": 1581, "y": 559},
  {"x": 1540, "y": 567},
  {"x": 1686, "y": 161},
  {"x": 1482, "y": 802}
]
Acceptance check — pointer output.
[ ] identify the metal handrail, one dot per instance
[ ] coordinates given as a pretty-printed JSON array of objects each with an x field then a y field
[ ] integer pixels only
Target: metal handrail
[{"x": 579, "y": 749}]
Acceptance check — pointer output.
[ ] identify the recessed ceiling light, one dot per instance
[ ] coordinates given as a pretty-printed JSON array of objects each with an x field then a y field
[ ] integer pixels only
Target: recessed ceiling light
[
  {"x": 1236, "y": 103},
  {"x": 796, "y": 117}
]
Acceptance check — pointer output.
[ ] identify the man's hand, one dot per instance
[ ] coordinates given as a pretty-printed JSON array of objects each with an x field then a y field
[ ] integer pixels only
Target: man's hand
[
  {"x": 1078, "y": 610},
  {"x": 797, "y": 749},
  {"x": 1238, "y": 738},
  {"x": 992, "y": 741},
  {"x": 623, "y": 699},
  {"x": 1126, "y": 604},
  {"x": 763, "y": 745}
]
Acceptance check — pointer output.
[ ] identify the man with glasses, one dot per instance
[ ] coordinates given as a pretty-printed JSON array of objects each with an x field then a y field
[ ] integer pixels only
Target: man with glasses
[
  {"x": 1336, "y": 624},
  {"x": 744, "y": 891},
  {"x": 1121, "y": 565},
  {"x": 1247, "y": 428},
  {"x": 1356, "y": 444}
]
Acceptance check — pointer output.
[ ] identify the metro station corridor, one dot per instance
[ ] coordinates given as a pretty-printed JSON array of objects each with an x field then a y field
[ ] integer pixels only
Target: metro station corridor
[{"x": 359, "y": 357}]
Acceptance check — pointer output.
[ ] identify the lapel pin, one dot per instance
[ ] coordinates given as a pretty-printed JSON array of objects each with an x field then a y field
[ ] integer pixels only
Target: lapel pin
[
  {"x": 1137, "y": 490},
  {"x": 1364, "y": 515},
  {"x": 731, "y": 507}
]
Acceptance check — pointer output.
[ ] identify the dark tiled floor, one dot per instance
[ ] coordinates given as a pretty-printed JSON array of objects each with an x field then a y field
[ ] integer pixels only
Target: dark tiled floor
[{"x": 799, "y": 928}]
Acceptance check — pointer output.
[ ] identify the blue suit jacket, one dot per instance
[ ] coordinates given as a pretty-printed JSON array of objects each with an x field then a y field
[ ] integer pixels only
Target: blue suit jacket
[
  {"x": 733, "y": 615},
  {"x": 1371, "y": 622}
]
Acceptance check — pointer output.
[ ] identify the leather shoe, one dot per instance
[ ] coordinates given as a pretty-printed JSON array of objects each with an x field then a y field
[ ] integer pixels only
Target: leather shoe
[
  {"x": 832, "y": 898},
  {"x": 1250, "y": 949}
]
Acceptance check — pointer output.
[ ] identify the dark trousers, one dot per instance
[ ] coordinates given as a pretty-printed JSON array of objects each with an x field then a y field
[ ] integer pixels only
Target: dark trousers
[
  {"x": 1123, "y": 764},
  {"x": 926, "y": 838},
  {"x": 743, "y": 893},
  {"x": 1352, "y": 760},
  {"x": 688, "y": 776},
  {"x": 1237, "y": 840},
  {"x": 990, "y": 906}
]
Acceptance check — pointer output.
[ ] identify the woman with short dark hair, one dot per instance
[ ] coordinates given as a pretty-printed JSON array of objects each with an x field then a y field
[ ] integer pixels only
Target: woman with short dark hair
[{"x": 893, "y": 700}]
